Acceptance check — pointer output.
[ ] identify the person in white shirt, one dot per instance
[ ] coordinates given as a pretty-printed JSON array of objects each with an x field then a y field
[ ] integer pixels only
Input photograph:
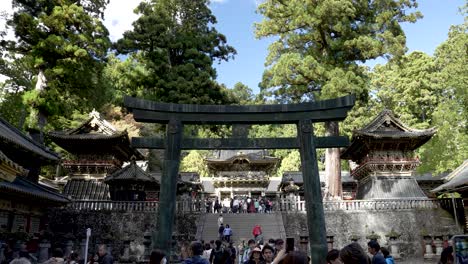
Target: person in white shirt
[{"x": 220, "y": 220}]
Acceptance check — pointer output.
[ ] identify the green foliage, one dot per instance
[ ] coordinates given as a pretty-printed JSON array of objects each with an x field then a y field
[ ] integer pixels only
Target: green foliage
[
  {"x": 177, "y": 44},
  {"x": 427, "y": 91},
  {"x": 194, "y": 162},
  {"x": 242, "y": 94},
  {"x": 291, "y": 162},
  {"x": 68, "y": 42},
  {"x": 410, "y": 88},
  {"x": 321, "y": 44}
]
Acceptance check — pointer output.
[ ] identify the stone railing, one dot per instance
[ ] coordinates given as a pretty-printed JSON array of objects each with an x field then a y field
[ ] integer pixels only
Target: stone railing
[
  {"x": 364, "y": 205},
  {"x": 281, "y": 205},
  {"x": 143, "y": 206}
]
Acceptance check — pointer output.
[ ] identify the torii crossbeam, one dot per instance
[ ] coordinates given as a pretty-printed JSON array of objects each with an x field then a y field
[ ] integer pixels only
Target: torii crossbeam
[{"x": 303, "y": 115}]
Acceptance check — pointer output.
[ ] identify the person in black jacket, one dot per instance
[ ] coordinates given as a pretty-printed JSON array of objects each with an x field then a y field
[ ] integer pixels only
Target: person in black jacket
[{"x": 104, "y": 257}]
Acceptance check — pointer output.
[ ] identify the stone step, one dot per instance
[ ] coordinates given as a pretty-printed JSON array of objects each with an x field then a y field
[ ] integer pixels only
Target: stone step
[{"x": 242, "y": 225}]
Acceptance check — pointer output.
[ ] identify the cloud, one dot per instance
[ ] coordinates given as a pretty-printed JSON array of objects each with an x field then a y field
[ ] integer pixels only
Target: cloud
[
  {"x": 119, "y": 17},
  {"x": 218, "y": 1},
  {"x": 6, "y": 10}
]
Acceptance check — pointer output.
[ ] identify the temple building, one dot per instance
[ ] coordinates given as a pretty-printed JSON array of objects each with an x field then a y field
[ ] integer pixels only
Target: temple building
[
  {"x": 241, "y": 173},
  {"x": 96, "y": 150},
  {"x": 383, "y": 154},
  {"x": 24, "y": 202},
  {"x": 132, "y": 183}
]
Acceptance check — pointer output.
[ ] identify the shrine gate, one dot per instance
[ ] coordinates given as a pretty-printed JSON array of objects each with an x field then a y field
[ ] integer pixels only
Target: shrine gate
[{"x": 175, "y": 116}]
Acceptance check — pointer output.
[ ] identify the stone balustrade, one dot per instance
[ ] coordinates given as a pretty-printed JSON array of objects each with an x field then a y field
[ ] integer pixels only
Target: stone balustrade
[
  {"x": 279, "y": 205},
  {"x": 364, "y": 205}
]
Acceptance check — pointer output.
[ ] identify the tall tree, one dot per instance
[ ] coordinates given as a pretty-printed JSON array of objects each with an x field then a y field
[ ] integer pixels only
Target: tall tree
[
  {"x": 410, "y": 87},
  {"x": 320, "y": 47},
  {"x": 177, "y": 43},
  {"x": 65, "y": 45},
  {"x": 448, "y": 148}
]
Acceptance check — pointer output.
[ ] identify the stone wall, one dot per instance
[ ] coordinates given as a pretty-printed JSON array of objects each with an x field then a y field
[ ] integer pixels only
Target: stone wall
[
  {"x": 113, "y": 228},
  {"x": 412, "y": 225}
]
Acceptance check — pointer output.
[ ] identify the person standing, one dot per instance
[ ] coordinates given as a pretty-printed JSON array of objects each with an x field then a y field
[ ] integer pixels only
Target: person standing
[
  {"x": 257, "y": 232},
  {"x": 374, "y": 249},
  {"x": 354, "y": 254},
  {"x": 267, "y": 253},
  {"x": 246, "y": 255},
  {"x": 104, "y": 256},
  {"x": 207, "y": 251},
  {"x": 256, "y": 257},
  {"x": 221, "y": 232},
  {"x": 217, "y": 206},
  {"x": 220, "y": 220},
  {"x": 219, "y": 255},
  {"x": 389, "y": 259},
  {"x": 333, "y": 257},
  {"x": 197, "y": 251},
  {"x": 227, "y": 233}
]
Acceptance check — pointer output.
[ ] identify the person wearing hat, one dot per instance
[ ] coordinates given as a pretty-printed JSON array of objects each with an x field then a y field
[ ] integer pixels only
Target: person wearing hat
[{"x": 255, "y": 256}]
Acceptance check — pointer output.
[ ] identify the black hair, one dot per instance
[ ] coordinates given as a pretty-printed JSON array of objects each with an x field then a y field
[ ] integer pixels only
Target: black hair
[
  {"x": 156, "y": 256},
  {"x": 374, "y": 244},
  {"x": 197, "y": 248},
  {"x": 332, "y": 255},
  {"x": 385, "y": 252}
]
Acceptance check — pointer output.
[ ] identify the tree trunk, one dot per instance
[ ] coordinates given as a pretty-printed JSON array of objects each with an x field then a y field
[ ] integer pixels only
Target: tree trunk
[{"x": 332, "y": 165}]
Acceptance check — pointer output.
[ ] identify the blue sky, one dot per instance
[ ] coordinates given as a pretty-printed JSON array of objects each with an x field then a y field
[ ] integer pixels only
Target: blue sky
[
  {"x": 236, "y": 20},
  {"x": 237, "y": 17}
]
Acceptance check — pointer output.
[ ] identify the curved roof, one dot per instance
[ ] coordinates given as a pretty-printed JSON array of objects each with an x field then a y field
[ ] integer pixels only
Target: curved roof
[
  {"x": 132, "y": 172},
  {"x": 10, "y": 135},
  {"x": 386, "y": 125},
  {"x": 457, "y": 179},
  {"x": 25, "y": 188},
  {"x": 92, "y": 132},
  {"x": 385, "y": 128},
  {"x": 17, "y": 169}
]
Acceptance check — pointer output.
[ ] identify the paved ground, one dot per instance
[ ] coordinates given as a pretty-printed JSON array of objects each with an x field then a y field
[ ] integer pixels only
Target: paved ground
[{"x": 418, "y": 261}]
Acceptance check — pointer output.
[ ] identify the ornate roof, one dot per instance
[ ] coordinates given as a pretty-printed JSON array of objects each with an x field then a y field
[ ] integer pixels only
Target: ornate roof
[
  {"x": 251, "y": 155},
  {"x": 9, "y": 169},
  {"x": 21, "y": 187},
  {"x": 241, "y": 160},
  {"x": 386, "y": 125},
  {"x": 86, "y": 190},
  {"x": 96, "y": 131},
  {"x": 385, "y": 132},
  {"x": 132, "y": 172},
  {"x": 13, "y": 140}
]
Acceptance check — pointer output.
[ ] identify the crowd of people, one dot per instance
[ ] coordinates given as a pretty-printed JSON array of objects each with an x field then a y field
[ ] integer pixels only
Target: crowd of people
[
  {"x": 239, "y": 205},
  {"x": 102, "y": 257}
]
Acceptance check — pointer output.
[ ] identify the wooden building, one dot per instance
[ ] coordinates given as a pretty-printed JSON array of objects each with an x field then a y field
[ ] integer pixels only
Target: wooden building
[
  {"x": 97, "y": 149},
  {"x": 23, "y": 202},
  {"x": 132, "y": 183},
  {"x": 243, "y": 173},
  {"x": 383, "y": 154}
]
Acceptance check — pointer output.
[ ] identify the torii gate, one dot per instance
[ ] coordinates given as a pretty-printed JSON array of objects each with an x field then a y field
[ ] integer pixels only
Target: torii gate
[{"x": 303, "y": 115}]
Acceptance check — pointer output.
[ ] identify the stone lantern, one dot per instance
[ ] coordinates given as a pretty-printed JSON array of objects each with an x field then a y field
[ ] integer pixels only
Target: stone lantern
[
  {"x": 428, "y": 246},
  {"x": 393, "y": 243}
]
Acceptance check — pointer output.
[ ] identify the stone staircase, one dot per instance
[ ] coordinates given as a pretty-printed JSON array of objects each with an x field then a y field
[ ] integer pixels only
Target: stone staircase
[{"x": 242, "y": 225}]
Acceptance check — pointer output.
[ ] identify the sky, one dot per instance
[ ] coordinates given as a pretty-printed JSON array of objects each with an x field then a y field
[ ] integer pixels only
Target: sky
[{"x": 236, "y": 20}]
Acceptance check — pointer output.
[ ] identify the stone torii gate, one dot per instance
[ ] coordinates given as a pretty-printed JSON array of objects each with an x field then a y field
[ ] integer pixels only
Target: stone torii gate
[{"x": 303, "y": 115}]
